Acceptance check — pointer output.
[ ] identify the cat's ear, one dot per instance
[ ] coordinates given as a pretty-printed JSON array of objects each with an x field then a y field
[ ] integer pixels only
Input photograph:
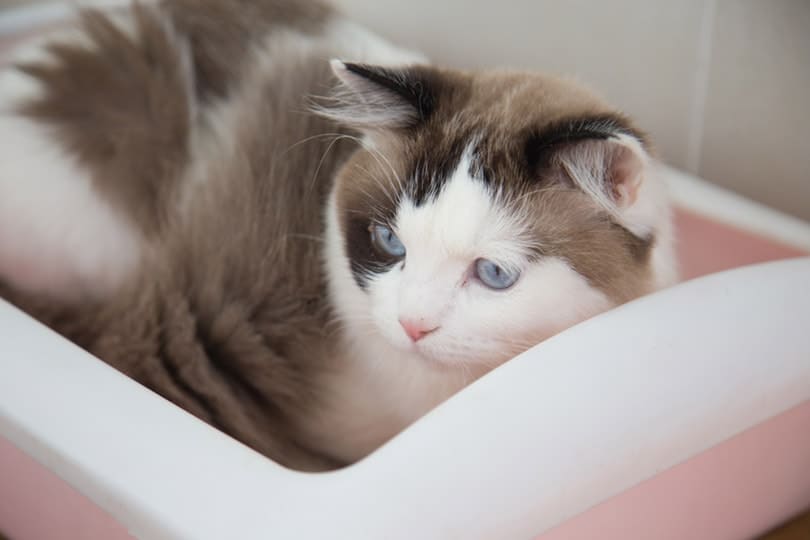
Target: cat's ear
[
  {"x": 609, "y": 163},
  {"x": 373, "y": 97}
]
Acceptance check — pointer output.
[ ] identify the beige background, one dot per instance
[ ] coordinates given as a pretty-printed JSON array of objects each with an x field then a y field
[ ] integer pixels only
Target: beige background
[{"x": 723, "y": 86}]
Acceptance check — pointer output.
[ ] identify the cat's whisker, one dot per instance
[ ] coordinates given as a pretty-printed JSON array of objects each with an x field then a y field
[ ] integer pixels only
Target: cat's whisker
[
  {"x": 369, "y": 196},
  {"x": 392, "y": 197},
  {"x": 377, "y": 154},
  {"x": 534, "y": 192},
  {"x": 306, "y": 237},
  {"x": 309, "y": 139},
  {"x": 353, "y": 321},
  {"x": 314, "y": 180}
]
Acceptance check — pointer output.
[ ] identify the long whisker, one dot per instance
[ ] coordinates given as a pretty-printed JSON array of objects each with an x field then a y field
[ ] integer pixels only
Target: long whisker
[{"x": 323, "y": 158}]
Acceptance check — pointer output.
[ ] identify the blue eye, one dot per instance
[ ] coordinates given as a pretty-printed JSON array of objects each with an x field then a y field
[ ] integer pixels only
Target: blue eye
[
  {"x": 386, "y": 241},
  {"x": 494, "y": 276}
]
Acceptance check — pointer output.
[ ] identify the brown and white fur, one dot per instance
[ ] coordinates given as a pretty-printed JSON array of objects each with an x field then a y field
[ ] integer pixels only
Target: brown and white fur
[{"x": 170, "y": 201}]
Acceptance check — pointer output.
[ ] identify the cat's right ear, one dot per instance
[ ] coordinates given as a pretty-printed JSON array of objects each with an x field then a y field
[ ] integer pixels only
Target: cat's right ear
[{"x": 373, "y": 97}]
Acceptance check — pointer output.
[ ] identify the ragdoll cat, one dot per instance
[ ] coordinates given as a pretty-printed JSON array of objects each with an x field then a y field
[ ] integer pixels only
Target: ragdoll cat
[{"x": 308, "y": 254}]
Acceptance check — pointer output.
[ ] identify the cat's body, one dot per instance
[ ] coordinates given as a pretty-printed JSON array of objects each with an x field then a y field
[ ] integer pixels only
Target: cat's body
[{"x": 168, "y": 202}]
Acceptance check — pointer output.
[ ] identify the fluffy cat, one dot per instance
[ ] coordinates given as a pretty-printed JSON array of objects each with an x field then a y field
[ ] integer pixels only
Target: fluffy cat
[{"x": 309, "y": 255}]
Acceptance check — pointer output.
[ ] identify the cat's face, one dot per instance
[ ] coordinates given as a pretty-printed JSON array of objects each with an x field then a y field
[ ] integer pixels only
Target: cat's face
[{"x": 484, "y": 214}]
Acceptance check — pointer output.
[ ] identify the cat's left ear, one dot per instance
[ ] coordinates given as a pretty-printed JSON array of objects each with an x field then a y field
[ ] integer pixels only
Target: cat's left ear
[
  {"x": 378, "y": 98},
  {"x": 611, "y": 164}
]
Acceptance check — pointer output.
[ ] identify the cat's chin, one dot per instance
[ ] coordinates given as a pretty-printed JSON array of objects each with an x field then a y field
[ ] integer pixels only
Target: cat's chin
[
  {"x": 434, "y": 360},
  {"x": 419, "y": 352},
  {"x": 424, "y": 353},
  {"x": 432, "y": 357}
]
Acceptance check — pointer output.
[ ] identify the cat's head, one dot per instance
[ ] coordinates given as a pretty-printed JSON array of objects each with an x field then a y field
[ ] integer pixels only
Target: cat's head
[{"x": 485, "y": 212}]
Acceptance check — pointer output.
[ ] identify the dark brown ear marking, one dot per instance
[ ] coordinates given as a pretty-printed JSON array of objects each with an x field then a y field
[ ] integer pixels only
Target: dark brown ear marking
[
  {"x": 408, "y": 83},
  {"x": 540, "y": 146},
  {"x": 376, "y": 97}
]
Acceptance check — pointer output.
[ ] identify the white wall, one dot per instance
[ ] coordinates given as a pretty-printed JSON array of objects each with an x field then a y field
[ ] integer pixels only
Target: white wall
[
  {"x": 756, "y": 136},
  {"x": 723, "y": 86}
]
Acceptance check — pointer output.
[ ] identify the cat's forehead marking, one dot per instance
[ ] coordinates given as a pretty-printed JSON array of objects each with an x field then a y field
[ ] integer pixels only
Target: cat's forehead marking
[{"x": 465, "y": 218}]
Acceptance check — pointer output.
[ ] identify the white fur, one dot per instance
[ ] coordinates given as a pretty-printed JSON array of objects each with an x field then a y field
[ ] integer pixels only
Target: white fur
[
  {"x": 57, "y": 235},
  {"x": 378, "y": 388},
  {"x": 443, "y": 238},
  {"x": 478, "y": 327}
]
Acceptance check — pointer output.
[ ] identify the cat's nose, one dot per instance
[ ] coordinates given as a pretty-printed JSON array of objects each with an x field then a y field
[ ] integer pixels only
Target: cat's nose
[{"x": 417, "y": 329}]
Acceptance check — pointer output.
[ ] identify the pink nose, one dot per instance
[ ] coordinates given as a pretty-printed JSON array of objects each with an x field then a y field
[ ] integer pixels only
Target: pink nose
[{"x": 417, "y": 329}]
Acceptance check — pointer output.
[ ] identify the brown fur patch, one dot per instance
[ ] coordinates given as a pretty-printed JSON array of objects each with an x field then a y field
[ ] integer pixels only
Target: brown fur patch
[
  {"x": 122, "y": 107},
  {"x": 126, "y": 105},
  {"x": 227, "y": 315}
]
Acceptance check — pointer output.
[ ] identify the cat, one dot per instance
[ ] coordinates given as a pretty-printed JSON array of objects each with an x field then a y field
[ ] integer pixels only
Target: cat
[{"x": 301, "y": 234}]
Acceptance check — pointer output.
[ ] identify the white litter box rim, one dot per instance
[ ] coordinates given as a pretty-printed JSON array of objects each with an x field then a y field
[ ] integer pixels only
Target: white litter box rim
[{"x": 546, "y": 436}]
